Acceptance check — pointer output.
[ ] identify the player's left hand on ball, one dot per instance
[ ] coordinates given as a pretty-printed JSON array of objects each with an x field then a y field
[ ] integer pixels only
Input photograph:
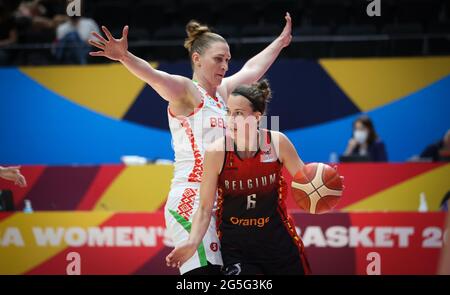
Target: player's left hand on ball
[
  {"x": 342, "y": 181},
  {"x": 341, "y": 177}
]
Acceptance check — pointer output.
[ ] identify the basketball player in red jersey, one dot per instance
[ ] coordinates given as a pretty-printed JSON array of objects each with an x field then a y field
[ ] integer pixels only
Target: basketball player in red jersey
[
  {"x": 257, "y": 235},
  {"x": 196, "y": 113}
]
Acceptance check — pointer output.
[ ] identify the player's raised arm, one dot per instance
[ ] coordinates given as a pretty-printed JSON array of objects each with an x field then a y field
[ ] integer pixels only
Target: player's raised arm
[
  {"x": 258, "y": 65},
  {"x": 172, "y": 88}
]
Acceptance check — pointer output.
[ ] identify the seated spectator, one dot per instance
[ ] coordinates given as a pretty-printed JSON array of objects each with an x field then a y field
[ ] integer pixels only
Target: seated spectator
[
  {"x": 72, "y": 40},
  {"x": 438, "y": 151},
  {"x": 41, "y": 15},
  {"x": 365, "y": 142}
]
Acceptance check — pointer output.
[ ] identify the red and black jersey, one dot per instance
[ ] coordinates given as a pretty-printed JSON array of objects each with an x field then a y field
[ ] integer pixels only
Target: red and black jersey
[{"x": 252, "y": 220}]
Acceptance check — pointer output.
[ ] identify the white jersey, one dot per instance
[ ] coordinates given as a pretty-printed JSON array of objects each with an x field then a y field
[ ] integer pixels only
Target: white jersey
[
  {"x": 192, "y": 134},
  {"x": 190, "y": 137}
]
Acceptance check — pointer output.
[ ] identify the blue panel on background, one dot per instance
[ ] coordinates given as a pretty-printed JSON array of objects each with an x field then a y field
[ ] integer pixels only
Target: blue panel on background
[
  {"x": 38, "y": 126},
  {"x": 406, "y": 126},
  {"x": 150, "y": 109},
  {"x": 41, "y": 127},
  {"x": 304, "y": 95}
]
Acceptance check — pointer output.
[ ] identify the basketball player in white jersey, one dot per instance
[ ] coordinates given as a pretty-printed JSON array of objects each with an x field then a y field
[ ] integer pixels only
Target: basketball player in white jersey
[{"x": 196, "y": 113}]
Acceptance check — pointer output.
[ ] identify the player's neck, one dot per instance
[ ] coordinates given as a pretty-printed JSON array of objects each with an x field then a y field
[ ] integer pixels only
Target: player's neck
[
  {"x": 210, "y": 89},
  {"x": 247, "y": 147}
]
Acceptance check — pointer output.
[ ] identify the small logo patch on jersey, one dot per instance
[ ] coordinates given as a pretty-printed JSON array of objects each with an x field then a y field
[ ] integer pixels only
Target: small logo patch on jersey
[
  {"x": 267, "y": 157},
  {"x": 214, "y": 247}
]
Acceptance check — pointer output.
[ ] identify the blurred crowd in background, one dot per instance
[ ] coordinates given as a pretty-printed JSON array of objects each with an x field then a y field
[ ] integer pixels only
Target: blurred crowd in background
[{"x": 35, "y": 32}]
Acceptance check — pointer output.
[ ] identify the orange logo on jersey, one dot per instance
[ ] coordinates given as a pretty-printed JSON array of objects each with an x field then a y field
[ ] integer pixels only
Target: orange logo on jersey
[{"x": 259, "y": 222}]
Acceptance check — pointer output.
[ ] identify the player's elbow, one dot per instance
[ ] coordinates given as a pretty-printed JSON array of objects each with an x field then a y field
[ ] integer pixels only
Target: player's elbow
[{"x": 205, "y": 209}]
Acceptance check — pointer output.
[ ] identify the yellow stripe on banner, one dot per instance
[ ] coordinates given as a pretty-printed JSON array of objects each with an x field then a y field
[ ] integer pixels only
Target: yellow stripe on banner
[
  {"x": 108, "y": 89},
  {"x": 374, "y": 82},
  {"x": 17, "y": 259},
  {"x": 405, "y": 196},
  {"x": 138, "y": 188}
]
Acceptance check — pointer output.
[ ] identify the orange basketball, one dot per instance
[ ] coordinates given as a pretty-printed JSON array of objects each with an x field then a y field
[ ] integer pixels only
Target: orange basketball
[{"x": 317, "y": 189}]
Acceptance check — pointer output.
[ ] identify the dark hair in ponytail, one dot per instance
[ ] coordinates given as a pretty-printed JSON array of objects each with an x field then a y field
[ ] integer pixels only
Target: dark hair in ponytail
[{"x": 259, "y": 94}]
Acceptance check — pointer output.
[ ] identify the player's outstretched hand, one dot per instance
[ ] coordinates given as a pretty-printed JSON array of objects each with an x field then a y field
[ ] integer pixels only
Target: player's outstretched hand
[
  {"x": 112, "y": 48},
  {"x": 286, "y": 34}
]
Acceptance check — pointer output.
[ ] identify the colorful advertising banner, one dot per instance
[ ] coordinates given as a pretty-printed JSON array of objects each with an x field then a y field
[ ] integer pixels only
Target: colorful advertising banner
[
  {"x": 135, "y": 243},
  {"x": 368, "y": 187}
]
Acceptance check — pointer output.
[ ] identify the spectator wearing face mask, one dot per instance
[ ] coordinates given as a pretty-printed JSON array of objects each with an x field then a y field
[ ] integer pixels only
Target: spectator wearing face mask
[{"x": 365, "y": 141}]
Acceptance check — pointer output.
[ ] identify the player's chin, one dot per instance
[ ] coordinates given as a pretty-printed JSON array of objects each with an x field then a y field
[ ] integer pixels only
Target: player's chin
[{"x": 218, "y": 79}]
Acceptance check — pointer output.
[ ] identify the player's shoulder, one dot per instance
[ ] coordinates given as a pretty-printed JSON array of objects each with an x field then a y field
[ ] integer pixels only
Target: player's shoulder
[
  {"x": 223, "y": 91},
  {"x": 280, "y": 142},
  {"x": 277, "y": 136},
  {"x": 193, "y": 93}
]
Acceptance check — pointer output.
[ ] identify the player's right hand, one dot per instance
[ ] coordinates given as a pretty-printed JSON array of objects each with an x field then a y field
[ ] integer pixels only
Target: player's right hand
[
  {"x": 112, "y": 48},
  {"x": 13, "y": 174},
  {"x": 180, "y": 254}
]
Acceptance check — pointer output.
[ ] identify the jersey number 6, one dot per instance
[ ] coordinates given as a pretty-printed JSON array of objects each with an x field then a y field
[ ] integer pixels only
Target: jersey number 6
[{"x": 251, "y": 201}]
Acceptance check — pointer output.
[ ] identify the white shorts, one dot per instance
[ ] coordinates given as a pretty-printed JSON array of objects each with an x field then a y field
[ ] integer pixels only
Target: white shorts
[{"x": 182, "y": 202}]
